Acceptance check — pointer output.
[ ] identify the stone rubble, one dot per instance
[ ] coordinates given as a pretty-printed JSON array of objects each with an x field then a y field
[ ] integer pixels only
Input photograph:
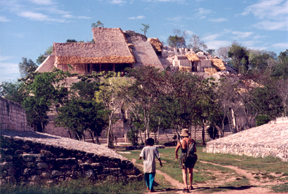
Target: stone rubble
[
  {"x": 266, "y": 140},
  {"x": 34, "y": 157}
]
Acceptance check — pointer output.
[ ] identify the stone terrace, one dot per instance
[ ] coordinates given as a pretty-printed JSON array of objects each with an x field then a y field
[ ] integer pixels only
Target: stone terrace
[
  {"x": 42, "y": 158},
  {"x": 266, "y": 140}
]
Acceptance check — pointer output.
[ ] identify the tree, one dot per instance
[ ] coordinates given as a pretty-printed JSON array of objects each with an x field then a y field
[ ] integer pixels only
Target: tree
[
  {"x": 43, "y": 91},
  {"x": 196, "y": 43},
  {"x": 145, "y": 28},
  {"x": 144, "y": 92},
  {"x": 227, "y": 97},
  {"x": 282, "y": 91},
  {"x": 42, "y": 57},
  {"x": 71, "y": 40},
  {"x": 260, "y": 60},
  {"x": 12, "y": 91},
  {"x": 239, "y": 57},
  {"x": 79, "y": 115},
  {"x": 25, "y": 66},
  {"x": 176, "y": 41},
  {"x": 222, "y": 52},
  {"x": 110, "y": 95},
  {"x": 281, "y": 69},
  {"x": 97, "y": 24}
]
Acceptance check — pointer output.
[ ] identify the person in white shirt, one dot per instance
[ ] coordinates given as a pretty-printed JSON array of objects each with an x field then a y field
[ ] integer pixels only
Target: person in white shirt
[{"x": 148, "y": 154}]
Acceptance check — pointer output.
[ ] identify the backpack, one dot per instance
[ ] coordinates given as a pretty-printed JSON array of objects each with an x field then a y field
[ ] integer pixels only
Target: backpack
[
  {"x": 190, "y": 157},
  {"x": 191, "y": 148}
]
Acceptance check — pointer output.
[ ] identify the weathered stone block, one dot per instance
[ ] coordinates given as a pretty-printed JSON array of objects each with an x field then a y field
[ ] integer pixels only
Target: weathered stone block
[{"x": 42, "y": 165}]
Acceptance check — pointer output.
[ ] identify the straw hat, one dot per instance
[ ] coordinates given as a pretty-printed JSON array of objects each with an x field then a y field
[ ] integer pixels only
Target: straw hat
[{"x": 184, "y": 133}]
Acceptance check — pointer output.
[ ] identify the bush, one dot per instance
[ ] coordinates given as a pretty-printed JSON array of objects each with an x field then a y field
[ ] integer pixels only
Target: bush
[{"x": 262, "y": 119}]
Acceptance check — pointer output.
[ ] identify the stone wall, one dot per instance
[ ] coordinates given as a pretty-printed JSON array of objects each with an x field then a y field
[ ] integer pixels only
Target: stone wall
[
  {"x": 33, "y": 157},
  {"x": 12, "y": 116},
  {"x": 266, "y": 140}
]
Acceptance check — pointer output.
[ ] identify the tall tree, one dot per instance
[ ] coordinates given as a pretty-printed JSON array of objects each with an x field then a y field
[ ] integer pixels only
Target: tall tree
[
  {"x": 239, "y": 57},
  {"x": 25, "y": 66},
  {"x": 178, "y": 40},
  {"x": 12, "y": 91},
  {"x": 110, "y": 95},
  {"x": 145, "y": 28},
  {"x": 97, "y": 24},
  {"x": 196, "y": 43},
  {"x": 43, "y": 92},
  {"x": 222, "y": 52},
  {"x": 260, "y": 60}
]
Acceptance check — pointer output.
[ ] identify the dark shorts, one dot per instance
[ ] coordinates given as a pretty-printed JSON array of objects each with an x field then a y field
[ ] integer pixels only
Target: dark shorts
[{"x": 187, "y": 162}]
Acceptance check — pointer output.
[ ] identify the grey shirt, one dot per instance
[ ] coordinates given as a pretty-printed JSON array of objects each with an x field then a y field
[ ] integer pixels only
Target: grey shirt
[{"x": 148, "y": 154}]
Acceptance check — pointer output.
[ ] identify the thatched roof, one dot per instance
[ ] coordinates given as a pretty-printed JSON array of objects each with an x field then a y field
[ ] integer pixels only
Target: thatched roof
[
  {"x": 185, "y": 69},
  {"x": 210, "y": 70},
  {"x": 219, "y": 64},
  {"x": 192, "y": 57},
  {"x": 157, "y": 45},
  {"x": 110, "y": 47}
]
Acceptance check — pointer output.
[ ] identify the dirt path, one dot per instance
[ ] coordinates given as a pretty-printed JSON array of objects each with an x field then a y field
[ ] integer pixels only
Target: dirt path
[
  {"x": 254, "y": 183},
  {"x": 178, "y": 187},
  {"x": 252, "y": 189}
]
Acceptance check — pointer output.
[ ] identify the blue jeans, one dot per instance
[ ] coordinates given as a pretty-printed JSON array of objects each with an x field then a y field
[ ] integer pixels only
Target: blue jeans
[{"x": 149, "y": 179}]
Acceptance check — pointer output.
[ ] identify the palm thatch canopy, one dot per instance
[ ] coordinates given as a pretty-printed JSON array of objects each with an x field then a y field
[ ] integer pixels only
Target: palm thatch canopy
[
  {"x": 157, "y": 45},
  {"x": 110, "y": 47},
  {"x": 210, "y": 70},
  {"x": 192, "y": 57},
  {"x": 219, "y": 64}
]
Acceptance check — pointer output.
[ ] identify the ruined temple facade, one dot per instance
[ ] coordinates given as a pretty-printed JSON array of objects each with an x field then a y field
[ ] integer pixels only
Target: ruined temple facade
[{"x": 112, "y": 50}]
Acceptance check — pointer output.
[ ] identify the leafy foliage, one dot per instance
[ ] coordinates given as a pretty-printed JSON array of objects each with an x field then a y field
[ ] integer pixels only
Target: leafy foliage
[
  {"x": 145, "y": 28},
  {"x": 176, "y": 41},
  {"x": 25, "y": 66}
]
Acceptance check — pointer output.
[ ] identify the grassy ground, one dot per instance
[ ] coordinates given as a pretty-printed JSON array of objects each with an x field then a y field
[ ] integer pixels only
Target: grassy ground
[
  {"x": 264, "y": 169},
  {"x": 81, "y": 186}
]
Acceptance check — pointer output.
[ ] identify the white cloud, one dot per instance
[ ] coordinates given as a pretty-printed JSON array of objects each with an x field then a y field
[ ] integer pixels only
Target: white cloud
[
  {"x": 189, "y": 32},
  {"x": 42, "y": 2},
  {"x": 272, "y": 13},
  {"x": 117, "y": 1},
  {"x": 272, "y": 25},
  {"x": 241, "y": 34},
  {"x": 9, "y": 71},
  {"x": 79, "y": 17},
  {"x": 39, "y": 17},
  {"x": 5, "y": 58},
  {"x": 215, "y": 44},
  {"x": 137, "y": 17},
  {"x": 202, "y": 13},
  {"x": 238, "y": 34},
  {"x": 218, "y": 20},
  {"x": 281, "y": 45},
  {"x": 3, "y": 19},
  {"x": 179, "y": 18},
  {"x": 211, "y": 37},
  {"x": 33, "y": 15}
]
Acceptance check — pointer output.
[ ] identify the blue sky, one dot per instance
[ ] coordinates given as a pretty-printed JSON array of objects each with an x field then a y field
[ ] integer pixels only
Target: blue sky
[{"x": 29, "y": 27}]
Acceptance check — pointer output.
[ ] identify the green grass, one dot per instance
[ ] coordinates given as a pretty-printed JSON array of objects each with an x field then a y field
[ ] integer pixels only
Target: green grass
[
  {"x": 280, "y": 188},
  {"x": 261, "y": 168},
  {"x": 262, "y": 165},
  {"x": 81, "y": 186}
]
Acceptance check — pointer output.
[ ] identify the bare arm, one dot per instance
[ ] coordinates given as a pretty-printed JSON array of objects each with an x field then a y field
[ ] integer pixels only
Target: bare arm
[
  {"x": 176, "y": 150},
  {"x": 160, "y": 162}
]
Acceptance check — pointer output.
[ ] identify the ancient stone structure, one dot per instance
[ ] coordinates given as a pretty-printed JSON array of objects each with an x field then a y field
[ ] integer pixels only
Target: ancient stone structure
[
  {"x": 33, "y": 157},
  {"x": 12, "y": 116},
  {"x": 266, "y": 140}
]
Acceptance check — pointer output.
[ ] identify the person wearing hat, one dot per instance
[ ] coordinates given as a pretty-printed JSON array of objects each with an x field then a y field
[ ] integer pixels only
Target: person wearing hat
[{"x": 184, "y": 163}]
